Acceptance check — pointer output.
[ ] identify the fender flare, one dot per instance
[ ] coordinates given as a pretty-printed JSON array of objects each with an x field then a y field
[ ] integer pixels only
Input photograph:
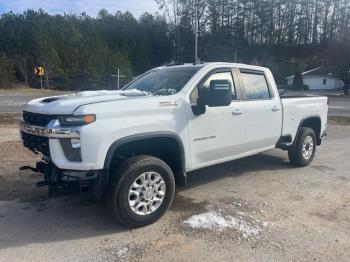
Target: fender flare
[
  {"x": 302, "y": 121},
  {"x": 138, "y": 137},
  {"x": 180, "y": 175}
]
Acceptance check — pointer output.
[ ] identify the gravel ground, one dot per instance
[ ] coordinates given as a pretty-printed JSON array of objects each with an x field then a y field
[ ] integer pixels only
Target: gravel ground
[{"x": 256, "y": 209}]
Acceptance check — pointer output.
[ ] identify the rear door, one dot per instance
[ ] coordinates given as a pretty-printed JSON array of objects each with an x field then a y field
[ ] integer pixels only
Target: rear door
[{"x": 264, "y": 112}]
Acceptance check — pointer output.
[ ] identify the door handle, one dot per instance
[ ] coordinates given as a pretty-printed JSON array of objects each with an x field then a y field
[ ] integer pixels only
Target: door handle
[
  {"x": 275, "y": 108},
  {"x": 237, "y": 112}
]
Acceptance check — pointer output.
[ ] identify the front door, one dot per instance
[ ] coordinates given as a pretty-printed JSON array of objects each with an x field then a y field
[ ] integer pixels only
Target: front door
[{"x": 219, "y": 133}]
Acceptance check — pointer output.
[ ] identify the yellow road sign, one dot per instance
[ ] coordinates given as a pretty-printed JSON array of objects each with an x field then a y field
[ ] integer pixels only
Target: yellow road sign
[{"x": 39, "y": 70}]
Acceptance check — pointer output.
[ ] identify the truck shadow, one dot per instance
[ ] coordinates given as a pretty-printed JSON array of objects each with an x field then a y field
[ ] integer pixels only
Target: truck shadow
[
  {"x": 51, "y": 220},
  {"x": 77, "y": 217},
  {"x": 245, "y": 166}
]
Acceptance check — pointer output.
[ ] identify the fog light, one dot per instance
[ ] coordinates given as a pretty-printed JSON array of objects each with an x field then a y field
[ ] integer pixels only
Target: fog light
[{"x": 75, "y": 143}]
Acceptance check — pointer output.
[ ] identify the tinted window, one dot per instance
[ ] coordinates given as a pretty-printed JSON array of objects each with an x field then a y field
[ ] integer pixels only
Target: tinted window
[
  {"x": 204, "y": 86},
  {"x": 255, "y": 86},
  {"x": 164, "y": 81}
]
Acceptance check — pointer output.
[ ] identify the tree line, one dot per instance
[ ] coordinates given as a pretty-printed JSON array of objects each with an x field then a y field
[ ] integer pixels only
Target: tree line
[
  {"x": 84, "y": 52},
  {"x": 80, "y": 52}
]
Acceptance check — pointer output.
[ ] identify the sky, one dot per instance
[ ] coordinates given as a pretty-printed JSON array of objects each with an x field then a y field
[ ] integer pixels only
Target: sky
[{"x": 91, "y": 7}]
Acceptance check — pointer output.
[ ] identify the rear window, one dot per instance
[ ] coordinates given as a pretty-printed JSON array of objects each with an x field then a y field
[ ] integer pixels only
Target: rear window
[{"x": 255, "y": 86}]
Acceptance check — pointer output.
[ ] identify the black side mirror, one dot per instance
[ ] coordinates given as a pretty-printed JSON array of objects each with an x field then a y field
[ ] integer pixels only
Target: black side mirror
[{"x": 220, "y": 93}]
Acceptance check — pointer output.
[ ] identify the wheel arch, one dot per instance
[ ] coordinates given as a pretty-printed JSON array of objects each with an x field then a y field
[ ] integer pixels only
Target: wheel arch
[
  {"x": 313, "y": 122},
  {"x": 167, "y": 146}
]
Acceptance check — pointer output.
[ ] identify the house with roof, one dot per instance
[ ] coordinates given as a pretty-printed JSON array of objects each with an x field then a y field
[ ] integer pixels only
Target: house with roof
[{"x": 318, "y": 79}]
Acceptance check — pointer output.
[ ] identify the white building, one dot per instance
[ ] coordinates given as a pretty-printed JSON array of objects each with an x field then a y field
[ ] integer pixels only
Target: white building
[{"x": 318, "y": 79}]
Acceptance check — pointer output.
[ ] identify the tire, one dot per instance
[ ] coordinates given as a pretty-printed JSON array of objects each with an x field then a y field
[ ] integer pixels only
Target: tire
[
  {"x": 299, "y": 154},
  {"x": 121, "y": 193}
]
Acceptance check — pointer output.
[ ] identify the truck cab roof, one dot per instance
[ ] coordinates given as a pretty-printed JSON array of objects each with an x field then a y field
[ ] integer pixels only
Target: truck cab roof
[{"x": 218, "y": 64}]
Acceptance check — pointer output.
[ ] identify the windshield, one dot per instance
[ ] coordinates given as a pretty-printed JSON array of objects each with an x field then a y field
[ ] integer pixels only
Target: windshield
[{"x": 164, "y": 81}]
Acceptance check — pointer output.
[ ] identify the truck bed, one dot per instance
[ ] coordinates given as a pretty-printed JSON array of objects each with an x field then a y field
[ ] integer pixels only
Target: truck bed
[{"x": 298, "y": 107}]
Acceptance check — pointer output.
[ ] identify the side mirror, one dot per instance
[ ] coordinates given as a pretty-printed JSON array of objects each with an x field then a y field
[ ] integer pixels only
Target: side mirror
[{"x": 220, "y": 93}]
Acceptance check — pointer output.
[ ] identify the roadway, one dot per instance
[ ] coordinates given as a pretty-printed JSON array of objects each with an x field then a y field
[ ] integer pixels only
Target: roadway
[{"x": 13, "y": 102}]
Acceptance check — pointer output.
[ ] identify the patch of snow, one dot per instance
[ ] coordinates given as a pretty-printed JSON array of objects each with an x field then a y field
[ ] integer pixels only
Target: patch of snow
[
  {"x": 123, "y": 252},
  {"x": 216, "y": 221},
  {"x": 129, "y": 92},
  {"x": 237, "y": 204},
  {"x": 111, "y": 92},
  {"x": 114, "y": 253}
]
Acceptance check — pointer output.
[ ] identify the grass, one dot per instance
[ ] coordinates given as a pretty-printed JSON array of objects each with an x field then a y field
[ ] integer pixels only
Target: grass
[{"x": 339, "y": 120}]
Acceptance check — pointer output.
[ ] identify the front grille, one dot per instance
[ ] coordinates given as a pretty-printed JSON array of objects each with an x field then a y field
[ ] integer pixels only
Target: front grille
[
  {"x": 37, "y": 119},
  {"x": 36, "y": 143}
]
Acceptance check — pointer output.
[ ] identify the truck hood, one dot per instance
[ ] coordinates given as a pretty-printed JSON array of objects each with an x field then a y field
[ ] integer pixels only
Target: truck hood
[{"x": 67, "y": 104}]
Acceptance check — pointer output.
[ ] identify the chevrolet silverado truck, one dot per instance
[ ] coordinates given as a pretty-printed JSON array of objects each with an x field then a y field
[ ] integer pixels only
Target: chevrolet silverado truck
[{"x": 131, "y": 146}]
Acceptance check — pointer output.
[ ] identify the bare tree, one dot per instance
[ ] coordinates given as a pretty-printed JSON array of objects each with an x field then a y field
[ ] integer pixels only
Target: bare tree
[{"x": 337, "y": 58}]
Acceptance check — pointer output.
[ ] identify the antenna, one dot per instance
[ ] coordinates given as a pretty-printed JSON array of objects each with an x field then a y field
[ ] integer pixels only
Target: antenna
[{"x": 196, "y": 61}]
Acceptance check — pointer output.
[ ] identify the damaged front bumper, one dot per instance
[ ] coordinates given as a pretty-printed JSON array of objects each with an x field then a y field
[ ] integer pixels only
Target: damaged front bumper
[
  {"x": 63, "y": 181},
  {"x": 52, "y": 139}
]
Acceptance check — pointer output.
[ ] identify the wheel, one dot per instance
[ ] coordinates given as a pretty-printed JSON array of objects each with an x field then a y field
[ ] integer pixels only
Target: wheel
[
  {"x": 141, "y": 190},
  {"x": 303, "y": 152}
]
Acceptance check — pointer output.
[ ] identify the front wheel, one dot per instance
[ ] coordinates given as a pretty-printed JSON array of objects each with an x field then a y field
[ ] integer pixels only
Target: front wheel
[
  {"x": 303, "y": 151},
  {"x": 141, "y": 190}
]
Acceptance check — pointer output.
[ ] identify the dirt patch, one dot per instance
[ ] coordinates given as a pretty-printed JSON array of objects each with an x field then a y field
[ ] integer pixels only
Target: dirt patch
[
  {"x": 184, "y": 204},
  {"x": 9, "y": 119},
  {"x": 10, "y": 133},
  {"x": 16, "y": 184}
]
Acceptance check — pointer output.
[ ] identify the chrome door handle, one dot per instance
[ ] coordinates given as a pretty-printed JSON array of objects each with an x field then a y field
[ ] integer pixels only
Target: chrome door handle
[
  {"x": 237, "y": 112},
  {"x": 275, "y": 108}
]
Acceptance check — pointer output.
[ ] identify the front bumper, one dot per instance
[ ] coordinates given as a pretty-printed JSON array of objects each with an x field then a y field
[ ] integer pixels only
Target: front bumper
[
  {"x": 37, "y": 139},
  {"x": 62, "y": 163},
  {"x": 80, "y": 148}
]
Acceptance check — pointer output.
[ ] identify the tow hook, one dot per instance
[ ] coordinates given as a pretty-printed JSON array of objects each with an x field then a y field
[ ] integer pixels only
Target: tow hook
[
  {"x": 59, "y": 180},
  {"x": 50, "y": 175},
  {"x": 22, "y": 168},
  {"x": 40, "y": 167}
]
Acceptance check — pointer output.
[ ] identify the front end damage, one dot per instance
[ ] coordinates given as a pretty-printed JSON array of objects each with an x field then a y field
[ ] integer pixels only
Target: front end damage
[
  {"x": 61, "y": 181},
  {"x": 36, "y": 132}
]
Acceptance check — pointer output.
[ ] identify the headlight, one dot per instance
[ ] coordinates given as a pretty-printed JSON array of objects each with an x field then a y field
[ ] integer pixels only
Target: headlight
[{"x": 76, "y": 120}]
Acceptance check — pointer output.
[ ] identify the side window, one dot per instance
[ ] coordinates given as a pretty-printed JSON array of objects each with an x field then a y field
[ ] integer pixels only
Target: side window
[
  {"x": 203, "y": 86},
  {"x": 255, "y": 86}
]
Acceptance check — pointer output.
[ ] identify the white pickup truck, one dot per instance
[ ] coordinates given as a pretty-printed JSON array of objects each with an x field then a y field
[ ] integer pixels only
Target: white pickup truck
[{"x": 132, "y": 146}]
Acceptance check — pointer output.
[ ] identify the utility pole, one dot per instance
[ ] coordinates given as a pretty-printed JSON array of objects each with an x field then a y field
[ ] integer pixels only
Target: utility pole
[
  {"x": 118, "y": 76},
  {"x": 196, "y": 61},
  {"x": 41, "y": 82},
  {"x": 118, "y": 79},
  {"x": 235, "y": 56}
]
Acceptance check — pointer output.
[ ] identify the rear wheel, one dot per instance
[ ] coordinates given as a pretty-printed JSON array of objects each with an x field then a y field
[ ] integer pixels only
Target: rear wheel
[
  {"x": 141, "y": 190},
  {"x": 303, "y": 152}
]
